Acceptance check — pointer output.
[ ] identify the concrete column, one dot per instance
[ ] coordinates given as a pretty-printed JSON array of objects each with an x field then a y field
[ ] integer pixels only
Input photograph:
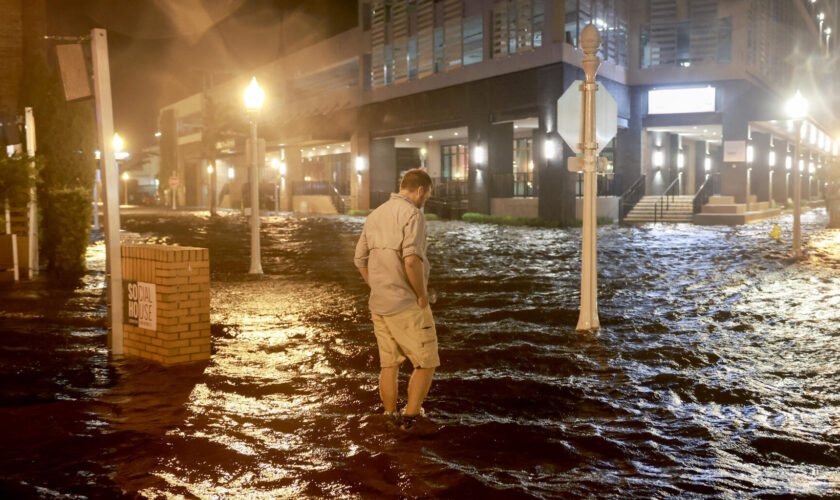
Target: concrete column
[
  {"x": 294, "y": 175},
  {"x": 690, "y": 177},
  {"x": 500, "y": 160},
  {"x": 433, "y": 159},
  {"x": 383, "y": 170},
  {"x": 760, "y": 166},
  {"x": 782, "y": 179},
  {"x": 556, "y": 199},
  {"x": 479, "y": 177},
  {"x": 360, "y": 170},
  {"x": 733, "y": 175}
]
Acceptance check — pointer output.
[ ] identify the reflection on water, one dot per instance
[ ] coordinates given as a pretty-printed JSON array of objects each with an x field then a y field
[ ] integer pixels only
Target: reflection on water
[{"x": 714, "y": 373}]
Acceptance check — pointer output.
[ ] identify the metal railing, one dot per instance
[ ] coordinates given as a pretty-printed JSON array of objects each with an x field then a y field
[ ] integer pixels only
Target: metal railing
[
  {"x": 607, "y": 185},
  {"x": 320, "y": 188},
  {"x": 630, "y": 197},
  {"x": 665, "y": 200},
  {"x": 703, "y": 194}
]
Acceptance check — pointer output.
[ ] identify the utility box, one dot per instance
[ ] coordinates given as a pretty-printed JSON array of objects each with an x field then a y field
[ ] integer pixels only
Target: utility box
[{"x": 166, "y": 303}]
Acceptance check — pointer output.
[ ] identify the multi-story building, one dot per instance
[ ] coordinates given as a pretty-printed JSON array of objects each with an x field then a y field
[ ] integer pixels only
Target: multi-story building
[{"x": 468, "y": 89}]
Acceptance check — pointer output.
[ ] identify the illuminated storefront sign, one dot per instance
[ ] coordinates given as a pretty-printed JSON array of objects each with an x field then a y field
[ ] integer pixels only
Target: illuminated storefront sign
[{"x": 671, "y": 101}]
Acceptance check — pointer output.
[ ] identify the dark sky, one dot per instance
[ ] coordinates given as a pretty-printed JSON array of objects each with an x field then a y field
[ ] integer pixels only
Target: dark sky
[{"x": 160, "y": 49}]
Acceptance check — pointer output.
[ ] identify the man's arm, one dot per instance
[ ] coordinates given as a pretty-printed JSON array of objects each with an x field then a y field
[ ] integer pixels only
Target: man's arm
[
  {"x": 364, "y": 272},
  {"x": 414, "y": 271},
  {"x": 362, "y": 254}
]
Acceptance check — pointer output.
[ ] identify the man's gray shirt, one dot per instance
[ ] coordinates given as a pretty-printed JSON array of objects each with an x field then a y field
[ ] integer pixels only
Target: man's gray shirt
[{"x": 392, "y": 232}]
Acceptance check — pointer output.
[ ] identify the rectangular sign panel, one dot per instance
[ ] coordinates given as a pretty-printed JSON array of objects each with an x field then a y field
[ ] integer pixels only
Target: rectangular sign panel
[
  {"x": 673, "y": 101},
  {"x": 734, "y": 151},
  {"x": 140, "y": 304}
]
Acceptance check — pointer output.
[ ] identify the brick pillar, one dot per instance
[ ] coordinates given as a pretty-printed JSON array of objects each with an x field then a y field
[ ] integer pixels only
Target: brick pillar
[{"x": 181, "y": 277}]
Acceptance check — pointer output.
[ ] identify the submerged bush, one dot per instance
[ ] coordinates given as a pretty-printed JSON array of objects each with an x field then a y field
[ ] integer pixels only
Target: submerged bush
[{"x": 67, "y": 214}]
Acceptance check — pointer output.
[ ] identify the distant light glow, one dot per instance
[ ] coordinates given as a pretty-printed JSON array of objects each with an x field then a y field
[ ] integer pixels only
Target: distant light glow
[
  {"x": 707, "y": 164},
  {"x": 125, "y": 175},
  {"x": 750, "y": 153},
  {"x": 680, "y": 160},
  {"x": 360, "y": 163},
  {"x": 549, "y": 149},
  {"x": 118, "y": 142},
  {"x": 797, "y": 106},
  {"x": 771, "y": 159},
  {"x": 231, "y": 173},
  {"x": 275, "y": 163},
  {"x": 282, "y": 168},
  {"x": 788, "y": 163},
  {"x": 209, "y": 169},
  {"x": 157, "y": 134}
]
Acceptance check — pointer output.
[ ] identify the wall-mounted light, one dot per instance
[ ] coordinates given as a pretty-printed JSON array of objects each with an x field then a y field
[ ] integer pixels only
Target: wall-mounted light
[
  {"x": 707, "y": 164},
  {"x": 360, "y": 163},
  {"x": 750, "y": 153},
  {"x": 209, "y": 169},
  {"x": 479, "y": 155},
  {"x": 658, "y": 158},
  {"x": 811, "y": 167},
  {"x": 423, "y": 152},
  {"x": 680, "y": 160},
  {"x": 813, "y": 134},
  {"x": 801, "y": 165},
  {"x": 549, "y": 149},
  {"x": 231, "y": 173},
  {"x": 275, "y": 163},
  {"x": 282, "y": 168},
  {"x": 788, "y": 163},
  {"x": 771, "y": 159}
]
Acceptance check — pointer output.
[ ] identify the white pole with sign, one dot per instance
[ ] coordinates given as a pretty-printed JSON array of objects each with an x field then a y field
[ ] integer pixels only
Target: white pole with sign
[
  {"x": 110, "y": 184},
  {"x": 588, "y": 140},
  {"x": 33, "y": 199}
]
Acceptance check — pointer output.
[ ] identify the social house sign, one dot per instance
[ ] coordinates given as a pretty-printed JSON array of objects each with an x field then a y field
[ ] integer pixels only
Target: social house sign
[{"x": 140, "y": 304}]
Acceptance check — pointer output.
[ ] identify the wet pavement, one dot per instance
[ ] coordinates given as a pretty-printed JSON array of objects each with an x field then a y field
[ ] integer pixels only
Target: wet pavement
[{"x": 714, "y": 373}]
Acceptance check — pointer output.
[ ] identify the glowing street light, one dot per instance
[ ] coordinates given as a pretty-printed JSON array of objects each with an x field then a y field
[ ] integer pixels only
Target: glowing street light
[
  {"x": 118, "y": 143},
  {"x": 254, "y": 98},
  {"x": 797, "y": 109}
]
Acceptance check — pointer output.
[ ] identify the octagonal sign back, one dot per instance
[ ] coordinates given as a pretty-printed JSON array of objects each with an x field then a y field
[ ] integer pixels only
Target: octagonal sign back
[{"x": 569, "y": 112}]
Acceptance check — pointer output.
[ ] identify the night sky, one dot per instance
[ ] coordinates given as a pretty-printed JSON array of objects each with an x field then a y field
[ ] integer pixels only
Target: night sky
[{"x": 161, "y": 50}]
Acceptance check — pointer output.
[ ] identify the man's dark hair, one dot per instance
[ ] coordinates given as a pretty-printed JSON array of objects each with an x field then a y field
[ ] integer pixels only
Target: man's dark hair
[{"x": 415, "y": 178}]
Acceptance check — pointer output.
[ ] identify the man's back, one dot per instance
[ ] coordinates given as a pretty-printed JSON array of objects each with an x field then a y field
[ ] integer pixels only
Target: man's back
[{"x": 392, "y": 232}]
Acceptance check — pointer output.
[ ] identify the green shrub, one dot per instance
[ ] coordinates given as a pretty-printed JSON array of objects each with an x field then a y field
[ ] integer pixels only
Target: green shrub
[
  {"x": 17, "y": 175},
  {"x": 67, "y": 215},
  {"x": 358, "y": 213}
]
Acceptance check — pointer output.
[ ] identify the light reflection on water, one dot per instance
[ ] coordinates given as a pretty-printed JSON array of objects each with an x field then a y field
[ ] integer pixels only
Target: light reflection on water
[{"x": 715, "y": 372}]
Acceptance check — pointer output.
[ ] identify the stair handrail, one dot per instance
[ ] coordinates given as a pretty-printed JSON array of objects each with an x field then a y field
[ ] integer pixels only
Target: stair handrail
[
  {"x": 630, "y": 197},
  {"x": 703, "y": 194},
  {"x": 668, "y": 196}
]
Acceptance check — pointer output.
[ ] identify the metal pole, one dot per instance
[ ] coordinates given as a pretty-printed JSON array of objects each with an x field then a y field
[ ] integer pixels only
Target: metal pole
[
  {"x": 276, "y": 198},
  {"x": 797, "y": 194},
  {"x": 33, "y": 198},
  {"x": 588, "y": 320},
  {"x": 213, "y": 190},
  {"x": 96, "y": 201},
  {"x": 256, "y": 266},
  {"x": 105, "y": 126}
]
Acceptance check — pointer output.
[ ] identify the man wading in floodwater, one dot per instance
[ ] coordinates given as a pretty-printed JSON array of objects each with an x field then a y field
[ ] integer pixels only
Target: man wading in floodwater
[{"x": 391, "y": 255}]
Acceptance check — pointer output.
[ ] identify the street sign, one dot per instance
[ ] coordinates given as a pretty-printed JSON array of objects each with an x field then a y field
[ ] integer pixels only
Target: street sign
[
  {"x": 575, "y": 164},
  {"x": 569, "y": 113},
  {"x": 173, "y": 182}
]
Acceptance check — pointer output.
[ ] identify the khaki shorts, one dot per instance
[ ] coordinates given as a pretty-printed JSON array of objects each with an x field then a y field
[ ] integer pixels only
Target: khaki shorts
[{"x": 409, "y": 334}]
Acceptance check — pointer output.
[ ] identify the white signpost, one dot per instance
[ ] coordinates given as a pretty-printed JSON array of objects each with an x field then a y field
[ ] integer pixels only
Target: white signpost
[
  {"x": 110, "y": 184},
  {"x": 597, "y": 125}
]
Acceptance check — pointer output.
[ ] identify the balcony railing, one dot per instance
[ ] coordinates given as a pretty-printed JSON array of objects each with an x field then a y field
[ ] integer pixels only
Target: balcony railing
[{"x": 685, "y": 43}]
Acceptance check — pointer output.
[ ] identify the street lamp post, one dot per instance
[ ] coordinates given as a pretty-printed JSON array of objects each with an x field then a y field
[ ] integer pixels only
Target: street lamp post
[
  {"x": 797, "y": 109},
  {"x": 254, "y": 98},
  {"x": 125, "y": 187}
]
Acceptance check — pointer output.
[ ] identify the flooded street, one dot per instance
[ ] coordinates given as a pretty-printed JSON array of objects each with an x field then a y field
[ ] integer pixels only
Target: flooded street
[{"x": 714, "y": 373}]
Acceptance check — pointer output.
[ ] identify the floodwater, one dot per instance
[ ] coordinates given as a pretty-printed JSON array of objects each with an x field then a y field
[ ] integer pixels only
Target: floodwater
[{"x": 714, "y": 373}]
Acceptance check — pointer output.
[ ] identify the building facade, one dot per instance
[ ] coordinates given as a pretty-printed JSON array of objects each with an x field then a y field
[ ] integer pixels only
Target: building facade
[{"x": 468, "y": 89}]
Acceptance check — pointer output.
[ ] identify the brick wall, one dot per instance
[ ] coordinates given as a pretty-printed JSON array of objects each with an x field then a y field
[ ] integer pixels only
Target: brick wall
[{"x": 182, "y": 284}]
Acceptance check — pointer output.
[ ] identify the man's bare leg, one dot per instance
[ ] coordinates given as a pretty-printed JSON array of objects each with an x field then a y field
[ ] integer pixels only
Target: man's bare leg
[
  {"x": 418, "y": 387},
  {"x": 388, "y": 387}
]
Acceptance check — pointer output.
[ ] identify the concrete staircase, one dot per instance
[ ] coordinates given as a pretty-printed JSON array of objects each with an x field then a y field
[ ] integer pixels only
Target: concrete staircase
[
  {"x": 723, "y": 211},
  {"x": 680, "y": 209}
]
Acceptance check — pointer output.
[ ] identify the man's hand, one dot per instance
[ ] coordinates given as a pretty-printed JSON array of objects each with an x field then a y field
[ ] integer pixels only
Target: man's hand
[{"x": 414, "y": 271}]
